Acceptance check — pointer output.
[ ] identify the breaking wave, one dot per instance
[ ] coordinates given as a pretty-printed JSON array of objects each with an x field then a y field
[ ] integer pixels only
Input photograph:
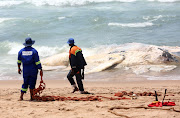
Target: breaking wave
[
  {"x": 71, "y": 2},
  {"x": 9, "y": 3},
  {"x": 164, "y": 1},
  {"x": 83, "y": 2},
  {"x": 145, "y": 24},
  {"x": 5, "y": 19},
  {"x": 13, "y": 48}
]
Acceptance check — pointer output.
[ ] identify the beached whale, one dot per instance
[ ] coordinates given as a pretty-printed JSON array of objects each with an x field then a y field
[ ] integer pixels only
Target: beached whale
[
  {"x": 139, "y": 59},
  {"x": 96, "y": 63}
]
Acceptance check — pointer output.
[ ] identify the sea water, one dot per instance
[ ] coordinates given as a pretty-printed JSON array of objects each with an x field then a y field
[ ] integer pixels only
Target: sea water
[{"x": 96, "y": 26}]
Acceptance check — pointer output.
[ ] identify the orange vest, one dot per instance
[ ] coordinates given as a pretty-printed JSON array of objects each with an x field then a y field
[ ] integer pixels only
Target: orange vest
[{"x": 74, "y": 50}]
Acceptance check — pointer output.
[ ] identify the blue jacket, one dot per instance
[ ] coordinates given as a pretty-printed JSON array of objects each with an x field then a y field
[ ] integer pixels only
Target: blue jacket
[{"x": 30, "y": 59}]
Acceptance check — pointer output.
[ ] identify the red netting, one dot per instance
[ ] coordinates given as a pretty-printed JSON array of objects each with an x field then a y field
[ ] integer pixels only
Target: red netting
[{"x": 42, "y": 86}]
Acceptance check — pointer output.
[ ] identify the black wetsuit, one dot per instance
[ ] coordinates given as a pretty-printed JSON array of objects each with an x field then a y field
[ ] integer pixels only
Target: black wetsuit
[{"x": 77, "y": 63}]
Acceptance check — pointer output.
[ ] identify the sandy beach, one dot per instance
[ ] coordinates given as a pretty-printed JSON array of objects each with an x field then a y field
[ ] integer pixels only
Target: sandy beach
[
  {"x": 12, "y": 108},
  {"x": 130, "y": 46}
]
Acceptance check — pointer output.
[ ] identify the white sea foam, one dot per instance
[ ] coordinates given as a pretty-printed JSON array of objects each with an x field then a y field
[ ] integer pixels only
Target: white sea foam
[
  {"x": 164, "y": 0},
  {"x": 13, "y": 48},
  {"x": 81, "y": 2},
  {"x": 56, "y": 2},
  {"x": 71, "y": 2},
  {"x": 144, "y": 24},
  {"x": 10, "y": 3},
  {"x": 159, "y": 17},
  {"x": 154, "y": 18},
  {"x": 5, "y": 19},
  {"x": 60, "y": 18},
  {"x": 45, "y": 51}
]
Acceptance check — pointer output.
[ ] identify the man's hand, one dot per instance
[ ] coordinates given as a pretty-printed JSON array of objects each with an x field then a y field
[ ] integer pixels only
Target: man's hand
[
  {"x": 19, "y": 70},
  {"x": 41, "y": 72},
  {"x": 72, "y": 71}
]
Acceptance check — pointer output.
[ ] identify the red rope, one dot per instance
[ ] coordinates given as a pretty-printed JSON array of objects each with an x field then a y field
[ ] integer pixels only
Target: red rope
[{"x": 42, "y": 86}]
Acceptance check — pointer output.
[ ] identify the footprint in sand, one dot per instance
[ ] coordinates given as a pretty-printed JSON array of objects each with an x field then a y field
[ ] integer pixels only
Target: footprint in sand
[
  {"x": 64, "y": 109},
  {"x": 32, "y": 112}
]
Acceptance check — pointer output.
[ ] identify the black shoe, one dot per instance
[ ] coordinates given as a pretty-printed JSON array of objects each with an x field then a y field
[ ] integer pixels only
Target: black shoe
[
  {"x": 85, "y": 92},
  {"x": 75, "y": 89}
]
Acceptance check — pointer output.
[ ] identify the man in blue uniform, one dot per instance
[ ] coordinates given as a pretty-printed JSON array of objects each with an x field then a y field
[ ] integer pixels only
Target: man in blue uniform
[{"x": 29, "y": 57}]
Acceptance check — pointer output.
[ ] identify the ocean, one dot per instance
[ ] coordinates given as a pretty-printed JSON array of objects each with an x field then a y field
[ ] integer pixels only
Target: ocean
[{"x": 130, "y": 28}]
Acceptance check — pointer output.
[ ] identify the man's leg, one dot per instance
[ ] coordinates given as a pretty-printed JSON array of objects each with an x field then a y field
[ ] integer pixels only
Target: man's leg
[
  {"x": 32, "y": 84},
  {"x": 21, "y": 97},
  {"x": 24, "y": 87},
  {"x": 79, "y": 81},
  {"x": 71, "y": 80},
  {"x": 31, "y": 94}
]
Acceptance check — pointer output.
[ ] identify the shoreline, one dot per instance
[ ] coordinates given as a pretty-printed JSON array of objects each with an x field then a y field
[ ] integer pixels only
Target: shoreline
[{"x": 65, "y": 83}]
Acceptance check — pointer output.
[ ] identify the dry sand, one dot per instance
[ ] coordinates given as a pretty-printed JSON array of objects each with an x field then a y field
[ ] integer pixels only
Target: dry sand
[{"x": 10, "y": 107}]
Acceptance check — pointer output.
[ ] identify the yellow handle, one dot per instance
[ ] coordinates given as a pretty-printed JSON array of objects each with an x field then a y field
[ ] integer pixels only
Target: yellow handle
[{"x": 155, "y": 101}]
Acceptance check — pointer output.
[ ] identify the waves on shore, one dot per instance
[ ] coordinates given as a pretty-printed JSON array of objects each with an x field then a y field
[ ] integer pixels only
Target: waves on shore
[
  {"x": 12, "y": 48},
  {"x": 145, "y": 24},
  {"x": 9, "y": 3}
]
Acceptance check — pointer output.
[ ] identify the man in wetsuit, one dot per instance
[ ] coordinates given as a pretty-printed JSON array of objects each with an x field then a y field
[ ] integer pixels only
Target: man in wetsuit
[
  {"x": 77, "y": 63},
  {"x": 29, "y": 57}
]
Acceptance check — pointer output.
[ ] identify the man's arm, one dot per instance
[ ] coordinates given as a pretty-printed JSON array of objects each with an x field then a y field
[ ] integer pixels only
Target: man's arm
[
  {"x": 19, "y": 63},
  {"x": 19, "y": 69},
  {"x": 41, "y": 72},
  {"x": 73, "y": 64},
  {"x": 38, "y": 63}
]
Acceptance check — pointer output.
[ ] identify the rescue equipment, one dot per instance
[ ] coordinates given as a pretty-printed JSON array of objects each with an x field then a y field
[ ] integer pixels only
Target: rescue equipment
[
  {"x": 156, "y": 103},
  {"x": 160, "y": 104},
  {"x": 39, "y": 90}
]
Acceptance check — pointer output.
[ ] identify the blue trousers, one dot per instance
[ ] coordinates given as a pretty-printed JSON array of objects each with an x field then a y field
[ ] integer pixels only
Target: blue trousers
[{"x": 29, "y": 81}]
